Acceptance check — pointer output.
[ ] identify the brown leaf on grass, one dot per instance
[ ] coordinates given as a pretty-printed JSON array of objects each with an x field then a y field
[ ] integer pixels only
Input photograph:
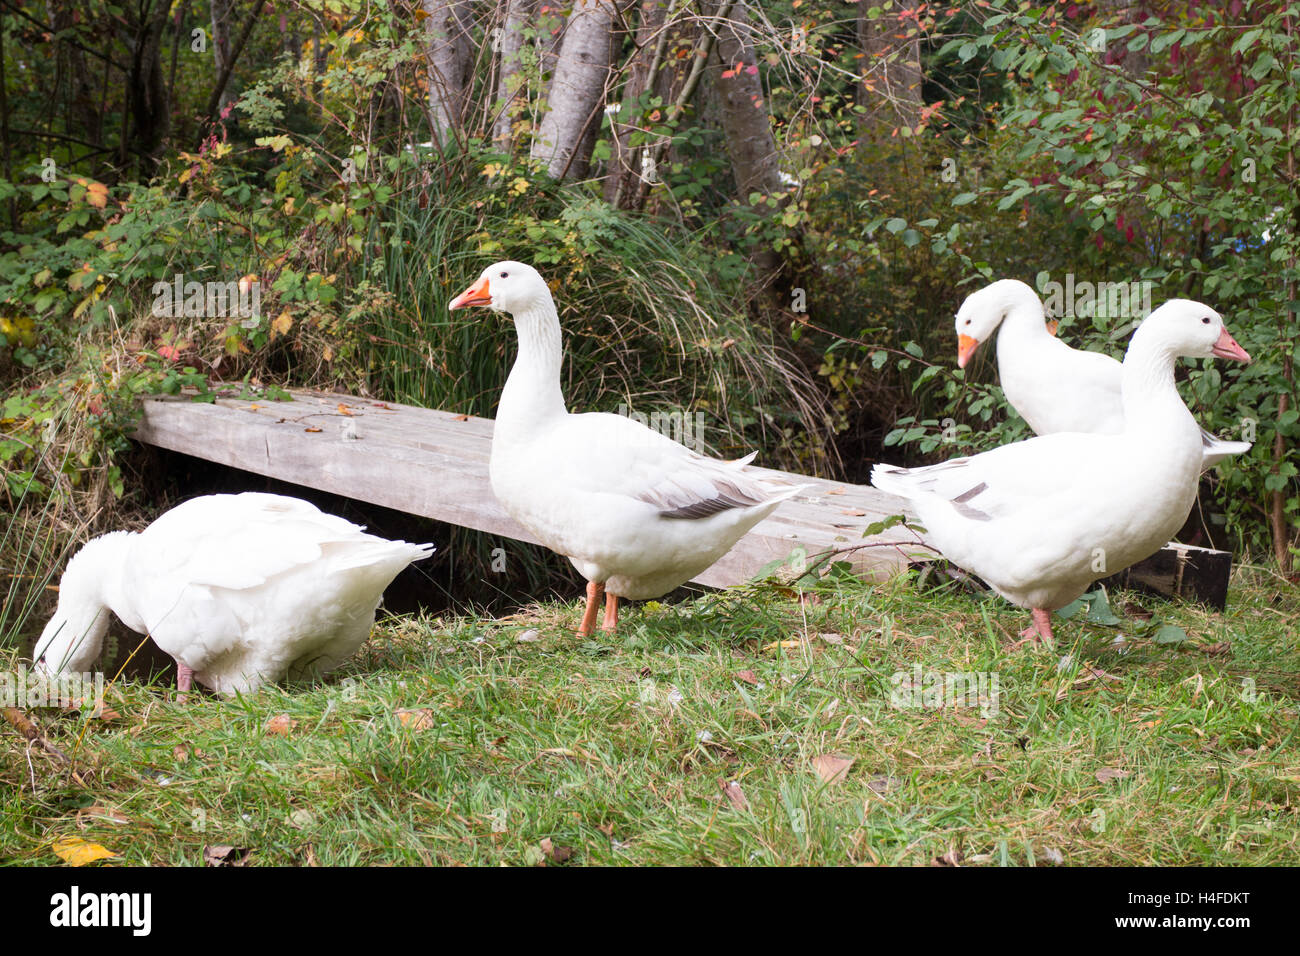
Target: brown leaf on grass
[
  {"x": 181, "y": 753},
  {"x": 225, "y": 856},
  {"x": 1107, "y": 774},
  {"x": 734, "y": 794},
  {"x": 1138, "y": 611},
  {"x": 75, "y": 851},
  {"x": 884, "y": 784},
  {"x": 832, "y": 768},
  {"x": 951, "y": 858},
  {"x": 556, "y": 854},
  {"x": 281, "y": 725},
  {"x": 420, "y": 718},
  {"x": 748, "y": 677},
  {"x": 808, "y": 598},
  {"x": 101, "y": 814},
  {"x": 1218, "y": 649}
]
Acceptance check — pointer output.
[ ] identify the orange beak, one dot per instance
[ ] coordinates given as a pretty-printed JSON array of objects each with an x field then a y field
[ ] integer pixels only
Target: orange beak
[
  {"x": 1228, "y": 348},
  {"x": 477, "y": 294},
  {"x": 966, "y": 347}
]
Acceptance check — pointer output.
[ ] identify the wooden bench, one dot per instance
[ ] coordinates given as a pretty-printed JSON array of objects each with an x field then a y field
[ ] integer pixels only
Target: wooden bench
[{"x": 435, "y": 464}]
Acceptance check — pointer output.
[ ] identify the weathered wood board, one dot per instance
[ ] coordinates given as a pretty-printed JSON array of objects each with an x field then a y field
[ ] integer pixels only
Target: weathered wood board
[{"x": 435, "y": 464}]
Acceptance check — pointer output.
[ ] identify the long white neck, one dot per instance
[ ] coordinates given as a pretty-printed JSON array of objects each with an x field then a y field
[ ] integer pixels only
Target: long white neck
[
  {"x": 1023, "y": 324},
  {"x": 90, "y": 588},
  {"x": 1152, "y": 405},
  {"x": 532, "y": 394}
]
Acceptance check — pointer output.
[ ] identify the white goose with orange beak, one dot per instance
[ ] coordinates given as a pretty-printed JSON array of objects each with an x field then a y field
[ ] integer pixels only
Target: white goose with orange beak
[
  {"x": 1041, "y": 520},
  {"x": 1055, "y": 388},
  {"x": 637, "y": 513}
]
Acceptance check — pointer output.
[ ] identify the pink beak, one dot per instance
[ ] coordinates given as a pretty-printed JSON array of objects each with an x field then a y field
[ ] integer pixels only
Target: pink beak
[{"x": 1227, "y": 348}]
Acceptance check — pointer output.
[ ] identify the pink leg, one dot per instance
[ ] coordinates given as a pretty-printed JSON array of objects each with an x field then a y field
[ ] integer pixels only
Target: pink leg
[
  {"x": 594, "y": 592},
  {"x": 611, "y": 613},
  {"x": 184, "y": 679},
  {"x": 1040, "y": 630}
]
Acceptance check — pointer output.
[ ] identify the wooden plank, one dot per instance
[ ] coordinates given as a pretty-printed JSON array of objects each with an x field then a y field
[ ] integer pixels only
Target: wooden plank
[
  {"x": 1180, "y": 571},
  {"x": 435, "y": 464}
]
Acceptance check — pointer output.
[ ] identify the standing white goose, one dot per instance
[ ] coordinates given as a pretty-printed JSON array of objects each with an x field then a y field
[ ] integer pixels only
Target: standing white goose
[
  {"x": 1055, "y": 388},
  {"x": 238, "y": 589},
  {"x": 637, "y": 513},
  {"x": 1040, "y": 520}
]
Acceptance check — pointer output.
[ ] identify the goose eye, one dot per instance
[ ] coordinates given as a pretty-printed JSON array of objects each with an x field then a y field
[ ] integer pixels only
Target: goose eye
[
  {"x": 506, "y": 275},
  {"x": 1205, "y": 321},
  {"x": 968, "y": 321}
]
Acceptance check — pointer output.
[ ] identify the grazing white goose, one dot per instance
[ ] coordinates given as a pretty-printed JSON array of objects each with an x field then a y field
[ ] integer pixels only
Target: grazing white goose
[
  {"x": 1041, "y": 520},
  {"x": 1055, "y": 388},
  {"x": 637, "y": 513},
  {"x": 239, "y": 589}
]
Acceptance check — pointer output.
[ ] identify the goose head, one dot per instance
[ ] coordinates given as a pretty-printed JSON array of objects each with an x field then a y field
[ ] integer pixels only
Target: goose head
[
  {"x": 74, "y": 635},
  {"x": 1190, "y": 329},
  {"x": 511, "y": 287},
  {"x": 983, "y": 311}
]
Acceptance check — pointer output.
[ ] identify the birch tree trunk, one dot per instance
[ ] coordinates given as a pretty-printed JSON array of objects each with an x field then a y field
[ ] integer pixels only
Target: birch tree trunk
[
  {"x": 577, "y": 94},
  {"x": 449, "y": 61},
  {"x": 510, "y": 75},
  {"x": 890, "y": 85}
]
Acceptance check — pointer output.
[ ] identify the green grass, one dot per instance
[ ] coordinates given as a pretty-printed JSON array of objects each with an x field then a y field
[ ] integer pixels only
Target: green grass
[{"x": 614, "y": 747}]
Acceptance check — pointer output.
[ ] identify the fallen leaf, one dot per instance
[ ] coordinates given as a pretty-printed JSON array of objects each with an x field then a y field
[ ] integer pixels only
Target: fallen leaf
[
  {"x": 1137, "y": 611},
  {"x": 748, "y": 677},
  {"x": 735, "y": 796},
  {"x": 837, "y": 491},
  {"x": 884, "y": 784},
  {"x": 103, "y": 814},
  {"x": 344, "y": 410},
  {"x": 281, "y": 325},
  {"x": 1218, "y": 648},
  {"x": 181, "y": 753},
  {"x": 830, "y": 768},
  {"x": 281, "y": 725},
  {"x": 461, "y": 418},
  {"x": 1107, "y": 774},
  {"x": 416, "y": 718},
  {"x": 832, "y": 638},
  {"x": 556, "y": 854},
  {"x": 854, "y": 512},
  {"x": 75, "y": 851},
  {"x": 529, "y": 636},
  {"x": 951, "y": 858},
  {"x": 225, "y": 856},
  {"x": 779, "y": 645},
  {"x": 311, "y": 429}
]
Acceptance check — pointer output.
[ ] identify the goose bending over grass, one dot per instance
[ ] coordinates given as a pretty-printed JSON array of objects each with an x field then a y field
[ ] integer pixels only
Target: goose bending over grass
[
  {"x": 1055, "y": 388},
  {"x": 238, "y": 589},
  {"x": 1041, "y": 520},
  {"x": 637, "y": 513}
]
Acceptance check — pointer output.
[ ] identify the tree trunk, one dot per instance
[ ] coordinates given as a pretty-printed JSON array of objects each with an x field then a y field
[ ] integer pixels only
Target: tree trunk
[
  {"x": 890, "y": 85},
  {"x": 751, "y": 147},
  {"x": 150, "y": 113},
  {"x": 222, "y": 17},
  {"x": 449, "y": 61},
  {"x": 563, "y": 141},
  {"x": 510, "y": 73},
  {"x": 627, "y": 180}
]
